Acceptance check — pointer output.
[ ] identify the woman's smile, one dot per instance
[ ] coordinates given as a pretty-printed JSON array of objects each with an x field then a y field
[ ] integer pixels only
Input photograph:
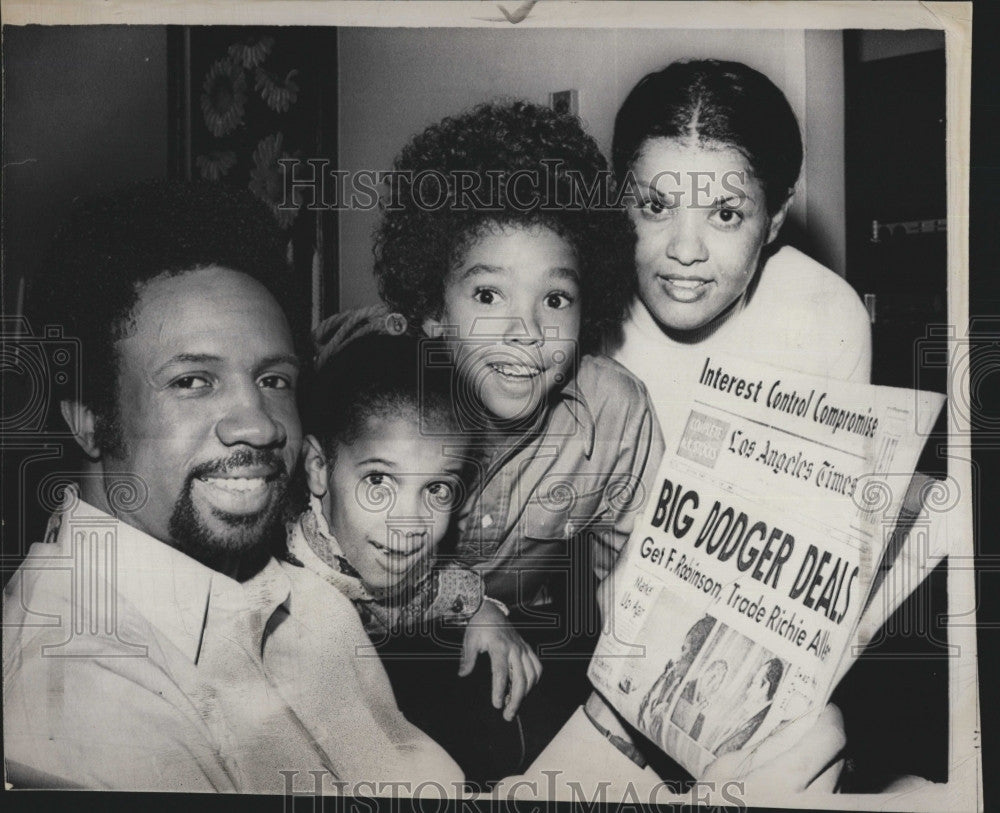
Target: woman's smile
[{"x": 684, "y": 289}]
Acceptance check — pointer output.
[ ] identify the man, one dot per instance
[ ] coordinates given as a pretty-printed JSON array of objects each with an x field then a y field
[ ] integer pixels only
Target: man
[
  {"x": 155, "y": 643},
  {"x": 656, "y": 703},
  {"x": 754, "y": 708},
  {"x": 689, "y": 713}
]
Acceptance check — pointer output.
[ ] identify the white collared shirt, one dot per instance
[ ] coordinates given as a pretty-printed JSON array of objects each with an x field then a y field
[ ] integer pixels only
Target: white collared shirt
[{"x": 129, "y": 665}]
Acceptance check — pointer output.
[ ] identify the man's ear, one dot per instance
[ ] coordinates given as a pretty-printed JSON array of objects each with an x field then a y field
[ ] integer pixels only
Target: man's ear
[
  {"x": 778, "y": 218},
  {"x": 432, "y": 327},
  {"x": 81, "y": 421},
  {"x": 317, "y": 471}
]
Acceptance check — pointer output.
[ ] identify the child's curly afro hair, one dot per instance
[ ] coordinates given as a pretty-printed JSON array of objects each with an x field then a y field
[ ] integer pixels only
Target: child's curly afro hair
[{"x": 512, "y": 164}]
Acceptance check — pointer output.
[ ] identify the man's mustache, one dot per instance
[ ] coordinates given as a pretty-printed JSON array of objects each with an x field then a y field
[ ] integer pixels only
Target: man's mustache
[{"x": 240, "y": 459}]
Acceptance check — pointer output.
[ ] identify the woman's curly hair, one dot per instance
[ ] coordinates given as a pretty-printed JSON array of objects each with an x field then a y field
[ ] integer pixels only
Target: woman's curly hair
[{"x": 502, "y": 164}]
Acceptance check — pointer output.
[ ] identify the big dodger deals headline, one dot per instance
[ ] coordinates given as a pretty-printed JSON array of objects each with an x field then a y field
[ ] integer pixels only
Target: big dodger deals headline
[{"x": 822, "y": 584}]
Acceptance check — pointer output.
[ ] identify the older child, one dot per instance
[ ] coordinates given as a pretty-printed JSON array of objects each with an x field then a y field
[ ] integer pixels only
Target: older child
[
  {"x": 490, "y": 243},
  {"x": 519, "y": 278},
  {"x": 385, "y": 466}
]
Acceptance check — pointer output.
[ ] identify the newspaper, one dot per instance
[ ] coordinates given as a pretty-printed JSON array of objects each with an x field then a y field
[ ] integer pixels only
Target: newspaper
[{"x": 738, "y": 595}]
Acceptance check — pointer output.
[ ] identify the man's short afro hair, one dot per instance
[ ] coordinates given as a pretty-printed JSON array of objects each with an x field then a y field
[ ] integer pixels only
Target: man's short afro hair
[
  {"x": 416, "y": 245},
  {"x": 109, "y": 247}
]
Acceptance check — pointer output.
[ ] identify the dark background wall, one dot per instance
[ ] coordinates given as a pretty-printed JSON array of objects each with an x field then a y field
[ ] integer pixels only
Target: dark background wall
[{"x": 85, "y": 110}]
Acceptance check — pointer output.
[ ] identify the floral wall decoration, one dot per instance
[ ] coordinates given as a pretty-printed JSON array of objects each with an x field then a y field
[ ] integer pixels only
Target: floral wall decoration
[
  {"x": 252, "y": 51},
  {"x": 280, "y": 94},
  {"x": 224, "y": 97},
  {"x": 242, "y": 99},
  {"x": 267, "y": 179},
  {"x": 244, "y": 102}
]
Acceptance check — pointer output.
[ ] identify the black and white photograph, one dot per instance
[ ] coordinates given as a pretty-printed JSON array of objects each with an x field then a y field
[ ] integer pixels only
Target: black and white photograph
[
  {"x": 698, "y": 691},
  {"x": 657, "y": 702},
  {"x": 348, "y": 351}
]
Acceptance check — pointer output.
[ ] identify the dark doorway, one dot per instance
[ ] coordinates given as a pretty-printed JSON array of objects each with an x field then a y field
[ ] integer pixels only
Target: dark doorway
[
  {"x": 897, "y": 239},
  {"x": 897, "y": 205}
]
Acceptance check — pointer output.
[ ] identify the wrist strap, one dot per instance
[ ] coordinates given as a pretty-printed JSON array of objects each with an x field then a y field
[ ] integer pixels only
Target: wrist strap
[
  {"x": 498, "y": 604},
  {"x": 623, "y": 745}
]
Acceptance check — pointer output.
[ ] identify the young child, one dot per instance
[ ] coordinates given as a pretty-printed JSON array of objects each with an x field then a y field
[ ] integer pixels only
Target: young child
[
  {"x": 385, "y": 466},
  {"x": 491, "y": 244}
]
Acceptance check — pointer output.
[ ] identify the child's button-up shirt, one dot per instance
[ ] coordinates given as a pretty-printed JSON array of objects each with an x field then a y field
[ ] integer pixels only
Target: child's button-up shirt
[
  {"x": 584, "y": 472},
  {"x": 450, "y": 592}
]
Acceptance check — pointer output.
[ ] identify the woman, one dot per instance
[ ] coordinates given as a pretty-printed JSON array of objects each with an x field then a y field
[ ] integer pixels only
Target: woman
[{"x": 707, "y": 155}]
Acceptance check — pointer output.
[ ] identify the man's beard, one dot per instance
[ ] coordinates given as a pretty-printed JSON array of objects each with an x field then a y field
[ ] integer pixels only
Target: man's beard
[{"x": 253, "y": 538}]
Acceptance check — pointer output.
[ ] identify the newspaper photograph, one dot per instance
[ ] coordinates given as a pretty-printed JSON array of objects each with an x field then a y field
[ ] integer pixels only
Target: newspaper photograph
[{"x": 739, "y": 592}]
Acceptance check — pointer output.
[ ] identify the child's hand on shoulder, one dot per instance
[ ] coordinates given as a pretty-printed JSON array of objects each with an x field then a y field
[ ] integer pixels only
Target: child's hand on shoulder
[{"x": 516, "y": 667}]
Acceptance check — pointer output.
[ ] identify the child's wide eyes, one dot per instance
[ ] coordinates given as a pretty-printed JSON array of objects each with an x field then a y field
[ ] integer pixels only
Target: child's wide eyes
[
  {"x": 558, "y": 300},
  {"x": 376, "y": 491},
  {"x": 485, "y": 296},
  {"x": 276, "y": 382},
  {"x": 441, "y": 494}
]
